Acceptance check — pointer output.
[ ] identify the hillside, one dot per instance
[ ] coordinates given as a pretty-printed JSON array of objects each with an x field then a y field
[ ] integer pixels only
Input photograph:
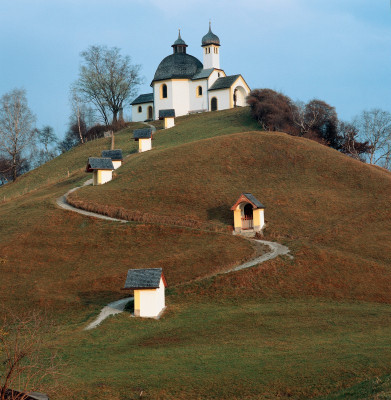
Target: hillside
[
  {"x": 321, "y": 203},
  {"x": 302, "y": 328}
]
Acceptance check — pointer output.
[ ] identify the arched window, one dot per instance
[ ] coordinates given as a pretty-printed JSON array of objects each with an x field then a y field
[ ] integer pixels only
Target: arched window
[
  {"x": 199, "y": 91},
  {"x": 140, "y": 109},
  {"x": 163, "y": 91},
  {"x": 213, "y": 104},
  {"x": 150, "y": 112}
]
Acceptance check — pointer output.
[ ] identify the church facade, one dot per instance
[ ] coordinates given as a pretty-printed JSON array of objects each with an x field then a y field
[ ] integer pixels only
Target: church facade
[{"x": 183, "y": 83}]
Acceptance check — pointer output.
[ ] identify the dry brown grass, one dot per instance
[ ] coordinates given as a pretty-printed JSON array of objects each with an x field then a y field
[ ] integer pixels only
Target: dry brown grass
[{"x": 333, "y": 211}]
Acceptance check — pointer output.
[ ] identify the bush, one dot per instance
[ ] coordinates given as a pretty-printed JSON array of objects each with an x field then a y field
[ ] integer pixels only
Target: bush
[{"x": 273, "y": 110}]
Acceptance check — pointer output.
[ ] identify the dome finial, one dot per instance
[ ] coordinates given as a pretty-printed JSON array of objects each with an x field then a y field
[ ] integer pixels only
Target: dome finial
[
  {"x": 179, "y": 44},
  {"x": 210, "y": 37}
]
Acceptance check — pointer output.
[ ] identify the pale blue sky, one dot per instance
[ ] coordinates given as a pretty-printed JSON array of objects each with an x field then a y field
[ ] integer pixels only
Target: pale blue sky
[{"x": 335, "y": 50}]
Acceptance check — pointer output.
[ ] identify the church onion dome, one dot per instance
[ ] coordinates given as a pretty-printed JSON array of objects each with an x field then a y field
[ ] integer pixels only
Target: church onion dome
[
  {"x": 177, "y": 66},
  {"x": 179, "y": 41},
  {"x": 210, "y": 38}
]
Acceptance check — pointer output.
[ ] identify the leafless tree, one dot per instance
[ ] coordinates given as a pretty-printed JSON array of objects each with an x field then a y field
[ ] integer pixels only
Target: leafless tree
[
  {"x": 17, "y": 131},
  {"x": 76, "y": 104},
  {"x": 306, "y": 116},
  {"x": 375, "y": 128},
  {"x": 107, "y": 79},
  {"x": 350, "y": 145},
  {"x": 25, "y": 359}
]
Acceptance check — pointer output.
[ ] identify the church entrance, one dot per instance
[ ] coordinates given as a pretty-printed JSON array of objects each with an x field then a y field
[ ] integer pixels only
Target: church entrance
[
  {"x": 213, "y": 104},
  {"x": 150, "y": 116},
  {"x": 239, "y": 96},
  {"x": 248, "y": 219}
]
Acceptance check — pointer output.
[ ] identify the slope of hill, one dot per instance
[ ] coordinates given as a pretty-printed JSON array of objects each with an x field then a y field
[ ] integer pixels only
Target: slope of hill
[
  {"x": 301, "y": 328},
  {"x": 334, "y": 211}
]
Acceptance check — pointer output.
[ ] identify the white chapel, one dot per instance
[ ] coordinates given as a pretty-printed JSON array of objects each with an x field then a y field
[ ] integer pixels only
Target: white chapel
[{"x": 184, "y": 84}]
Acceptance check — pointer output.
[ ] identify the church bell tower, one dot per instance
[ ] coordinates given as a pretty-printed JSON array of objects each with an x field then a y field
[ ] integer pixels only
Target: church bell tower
[{"x": 211, "y": 49}]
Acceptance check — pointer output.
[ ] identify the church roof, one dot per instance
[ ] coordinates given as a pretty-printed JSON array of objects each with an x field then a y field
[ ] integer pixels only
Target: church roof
[
  {"x": 177, "y": 66},
  {"x": 145, "y": 133},
  {"x": 244, "y": 197},
  {"x": 143, "y": 98},
  {"x": 169, "y": 113},
  {"x": 210, "y": 38},
  {"x": 99, "y": 163},
  {"x": 224, "y": 82},
  {"x": 144, "y": 278},
  {"x": 203, "y": 74}
]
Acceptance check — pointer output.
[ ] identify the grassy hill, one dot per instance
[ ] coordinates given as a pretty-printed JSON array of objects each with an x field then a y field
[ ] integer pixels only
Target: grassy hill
[{"x": 303, "y": 328}]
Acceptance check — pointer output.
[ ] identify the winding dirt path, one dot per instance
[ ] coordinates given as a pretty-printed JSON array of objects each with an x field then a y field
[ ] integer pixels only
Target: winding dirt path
[
  {"x": 113, "y": 308},
  {"x": 117, "y": 307},
  {"x": 62, "y": 202}
]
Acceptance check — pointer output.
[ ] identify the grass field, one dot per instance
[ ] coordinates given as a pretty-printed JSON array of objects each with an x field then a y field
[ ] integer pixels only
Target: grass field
[
  {"x": 317, "y": 326},
  {"x": 240, "y": 350}
]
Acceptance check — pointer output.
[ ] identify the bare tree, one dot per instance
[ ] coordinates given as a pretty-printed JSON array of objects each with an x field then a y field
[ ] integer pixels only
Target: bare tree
[
  {"x": 76, "y": 104},
  {"x": 375, "y": 128},
  {"x": 25, "y": 359},
  {"x": 350, "y": 145},
  {"x": 306, "y": 116},
  {"x": 48, "y": 140},
  {"x": 17, "y": 131},
  {"x": 107, "y": 79}
]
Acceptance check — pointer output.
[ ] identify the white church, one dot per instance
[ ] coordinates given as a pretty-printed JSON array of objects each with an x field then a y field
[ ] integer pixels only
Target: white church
[{"x": 184, "y": 84}]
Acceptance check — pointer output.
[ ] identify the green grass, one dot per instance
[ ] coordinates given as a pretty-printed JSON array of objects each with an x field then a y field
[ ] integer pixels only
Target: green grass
[
  {"x": 378, "y": 388},
  {"x": 71, "y": 163},
  {"x": 240, "y": 350}
]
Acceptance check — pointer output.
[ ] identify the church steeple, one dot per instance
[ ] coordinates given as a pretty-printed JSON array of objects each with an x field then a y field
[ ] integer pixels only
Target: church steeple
[
  {"x": 179, "y": 45},
  {"x": 211, "y": 44}
]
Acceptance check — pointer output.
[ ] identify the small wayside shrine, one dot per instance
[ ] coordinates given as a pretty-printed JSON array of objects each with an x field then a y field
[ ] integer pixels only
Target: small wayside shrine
[
  {"x": 144, "y": 139},
  {"x": 149, "y": 291},
  {"x": 168, "y": 116},
  {"x": 115, "y": 155},
  {"x": 248, "y": 214},
  {"x": 102, "y": 169}
]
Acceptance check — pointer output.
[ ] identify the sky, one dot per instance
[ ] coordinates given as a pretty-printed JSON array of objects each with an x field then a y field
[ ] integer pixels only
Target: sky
[{"x": 338, "y": 51}]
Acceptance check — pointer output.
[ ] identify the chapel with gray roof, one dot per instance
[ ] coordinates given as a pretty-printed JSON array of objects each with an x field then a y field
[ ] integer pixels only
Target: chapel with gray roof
[{"x": 186, "y": 85}]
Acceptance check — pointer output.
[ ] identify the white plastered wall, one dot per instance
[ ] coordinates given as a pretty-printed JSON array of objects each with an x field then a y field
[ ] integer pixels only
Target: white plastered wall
[
  {"x": 152, "y": 302},
  {"x": 169, "y": 122},
  {"x": 144, "y": 145},
  {"x": 143, "y": 115},
  {"x": 198, "y": 103},
  {"x": 105, "y": 176},
  {"x": 211, "y": 56},
  {"x": 162, "y": 104},
  {"x": 215, "y": 75},
  {"x": 117, "y": 164},
  {"x": 223, "y": 99},
  {"x": 180, "y": 92}
]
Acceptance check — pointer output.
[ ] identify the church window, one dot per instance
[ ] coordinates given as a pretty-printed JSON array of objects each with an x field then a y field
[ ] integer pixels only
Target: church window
[
  {"x": 163, "y": 91},
  {"x": 140, "y": 109},
  {"x": 199, "y": 91},
  {"x": 218, "y": 74}
]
